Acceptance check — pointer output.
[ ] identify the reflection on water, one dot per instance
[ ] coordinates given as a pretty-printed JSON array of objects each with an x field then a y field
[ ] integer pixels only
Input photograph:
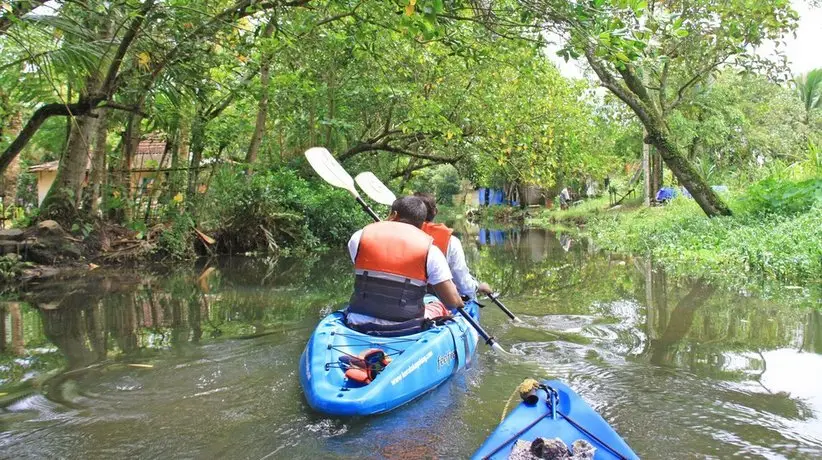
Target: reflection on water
[{"x": 202, "y": 361}]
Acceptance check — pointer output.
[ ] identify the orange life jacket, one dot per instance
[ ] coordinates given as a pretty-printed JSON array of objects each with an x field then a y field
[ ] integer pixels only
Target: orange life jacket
[
  {"x": 441, "y": 234},
  {"x": 391, "y": 275}
]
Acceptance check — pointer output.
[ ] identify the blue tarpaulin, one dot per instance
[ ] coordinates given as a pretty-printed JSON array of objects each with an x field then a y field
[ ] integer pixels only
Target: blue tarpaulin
[
  {"x": 491, "y": 237},
  {"x": 666, "y": 194}
]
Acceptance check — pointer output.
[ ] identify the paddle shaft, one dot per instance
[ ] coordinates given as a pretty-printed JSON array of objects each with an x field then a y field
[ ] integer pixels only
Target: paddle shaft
[
  {"x": 503, "y": 308},
  {"x": 488, "y": 339},
  {"x": 367, "y": 208}
]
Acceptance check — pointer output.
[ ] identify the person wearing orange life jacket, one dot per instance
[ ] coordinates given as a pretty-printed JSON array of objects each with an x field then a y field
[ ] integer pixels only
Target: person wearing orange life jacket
[
  {"x": 451, "y": 246},
  {"x": 394, "y": 261}
]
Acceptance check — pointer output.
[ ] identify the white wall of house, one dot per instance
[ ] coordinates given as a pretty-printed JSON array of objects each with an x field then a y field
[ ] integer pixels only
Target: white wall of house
[{"x": 44, "y": 181}]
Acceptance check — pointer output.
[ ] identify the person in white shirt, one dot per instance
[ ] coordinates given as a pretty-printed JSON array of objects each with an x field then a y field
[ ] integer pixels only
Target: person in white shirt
[
  {"x": 394, "y": 261},
  {"x": 444, "y": 239}
]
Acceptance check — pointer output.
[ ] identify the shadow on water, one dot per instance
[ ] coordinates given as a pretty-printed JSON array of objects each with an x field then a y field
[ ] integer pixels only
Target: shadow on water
[{"x": 202, "y": 361}]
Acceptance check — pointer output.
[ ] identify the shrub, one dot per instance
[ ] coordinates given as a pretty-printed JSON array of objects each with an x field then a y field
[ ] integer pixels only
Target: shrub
[
  {"x": 771, "y": 246},
  {"x": 176, "y": 242},
  {"x": 274, "y": 209},
  {"x": 784, "y": 197}
]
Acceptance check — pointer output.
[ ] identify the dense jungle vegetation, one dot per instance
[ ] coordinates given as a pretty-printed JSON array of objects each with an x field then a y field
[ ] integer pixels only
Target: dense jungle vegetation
[{"x": 442, "y": 95}]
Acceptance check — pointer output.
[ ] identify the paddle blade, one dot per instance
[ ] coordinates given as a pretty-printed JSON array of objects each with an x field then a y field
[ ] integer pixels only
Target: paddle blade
[
  {"x": 498, "y": 348},
  {"x": 374, "y": 188},
  {"x": 329, "y": 169}
]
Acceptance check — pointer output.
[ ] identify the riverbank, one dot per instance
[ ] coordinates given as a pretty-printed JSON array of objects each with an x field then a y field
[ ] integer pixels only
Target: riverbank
[{"x": 764, "y": 241}]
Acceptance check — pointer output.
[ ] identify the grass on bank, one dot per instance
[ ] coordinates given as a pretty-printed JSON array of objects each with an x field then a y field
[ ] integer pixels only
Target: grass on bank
[
  {"x": 579, "y": 213},
  {"x": 775, "y": 233}
]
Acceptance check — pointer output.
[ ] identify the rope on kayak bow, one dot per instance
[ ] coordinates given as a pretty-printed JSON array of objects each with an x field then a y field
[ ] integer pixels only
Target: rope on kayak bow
[
  {"x": 527, "y": 389},
  {"x": 524, "y": 389}
]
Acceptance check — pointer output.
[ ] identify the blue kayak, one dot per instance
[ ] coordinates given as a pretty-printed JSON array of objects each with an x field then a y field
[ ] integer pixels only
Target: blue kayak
[
  {"x": 570, "y": 419},
  {"x": 419, "y": 362}
]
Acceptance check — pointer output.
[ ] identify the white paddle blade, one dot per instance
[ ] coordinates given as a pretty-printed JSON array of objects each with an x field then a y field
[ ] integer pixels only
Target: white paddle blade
[
  {"x": 498, "y": 348},
  {"x": 329, "y": 169},
  {"x": 374, "y": 188}
]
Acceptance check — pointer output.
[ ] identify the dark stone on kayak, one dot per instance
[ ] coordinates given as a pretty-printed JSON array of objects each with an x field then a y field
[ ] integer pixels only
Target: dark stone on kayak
[
  {"x": 549, "y": 448},
  {"x": 552, "y": 449}
]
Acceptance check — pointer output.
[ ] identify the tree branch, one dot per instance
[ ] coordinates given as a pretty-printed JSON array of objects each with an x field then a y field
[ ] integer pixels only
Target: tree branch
[
  {"x": 41, "y": 115},
  {"x": 608, "y": 81},
  {"x": 108, "y": 85},
  {"x": 695, "y": 79},
  {"x": 125, "y": 108},
  {"x": 636, "y": 86},
  {"x": 663, "y": 87}
]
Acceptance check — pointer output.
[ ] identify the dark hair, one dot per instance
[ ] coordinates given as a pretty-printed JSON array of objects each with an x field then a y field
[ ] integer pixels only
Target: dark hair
[
  {"x": 410, "y": 209},
  {"x": 430, "y": 204}
]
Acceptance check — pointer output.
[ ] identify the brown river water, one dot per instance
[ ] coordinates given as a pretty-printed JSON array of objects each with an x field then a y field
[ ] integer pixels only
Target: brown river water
[{"x": 201, "y": 361}]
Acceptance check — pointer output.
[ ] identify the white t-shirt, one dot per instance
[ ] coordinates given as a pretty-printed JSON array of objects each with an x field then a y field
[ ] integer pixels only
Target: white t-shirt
[
  {"x": 466, "y": 284},
  {"x": 436, "y": 265}
]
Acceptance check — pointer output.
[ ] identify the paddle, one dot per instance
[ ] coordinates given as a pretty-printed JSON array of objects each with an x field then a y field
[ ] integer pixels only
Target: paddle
[
  {"x": 503, "y": 308},
  {"x": 377, "y": 191},
  {"x": 374, "y": 188},
  {"x": 332, "y": 172}
]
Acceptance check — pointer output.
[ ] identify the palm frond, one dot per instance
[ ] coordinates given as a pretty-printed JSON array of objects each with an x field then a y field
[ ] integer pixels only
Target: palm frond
[{"x": 809, "y": 89}]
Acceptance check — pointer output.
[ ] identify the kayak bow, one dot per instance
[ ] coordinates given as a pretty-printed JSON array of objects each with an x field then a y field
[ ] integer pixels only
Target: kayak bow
[{"x": 556, "y": 412}]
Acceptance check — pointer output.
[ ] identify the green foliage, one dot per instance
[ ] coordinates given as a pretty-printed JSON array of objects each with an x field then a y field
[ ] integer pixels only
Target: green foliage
[
  {"x": 443, "y": 181},
  {"x": 273, "y": 209},
  {"x": 775, "y": 196},
  {"x": 809, "y": 89},
  {"x": 176, "y": 241},
  {"x": 10, "y": 268},
  {"x": 579, "y": 213},
  {"x": 738, "y": 250},
  {"x": 736, "y": 126}
]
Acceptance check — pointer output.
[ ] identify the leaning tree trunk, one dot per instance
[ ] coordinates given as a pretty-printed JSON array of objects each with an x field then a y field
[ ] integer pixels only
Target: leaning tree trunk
[
  {"x": 687, "y": 175},
  {"x": 12, "y": 172},
  {"x": 62, "y": 200}
]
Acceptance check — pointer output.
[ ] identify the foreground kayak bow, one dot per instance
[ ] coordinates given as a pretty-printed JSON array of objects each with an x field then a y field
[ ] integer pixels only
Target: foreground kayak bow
[{"x": 552, "y": 410}]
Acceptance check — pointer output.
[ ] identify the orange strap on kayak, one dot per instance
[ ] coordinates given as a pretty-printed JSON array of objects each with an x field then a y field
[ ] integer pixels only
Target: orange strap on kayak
[{"x": 367, "y": 366}]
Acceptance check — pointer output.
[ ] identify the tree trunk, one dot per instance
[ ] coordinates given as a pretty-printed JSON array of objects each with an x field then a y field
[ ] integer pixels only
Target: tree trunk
[
  {"x": 646, "y": 170},
  {"x": 312, "y": 135},
  {"x": 197, "y": 143},
  {"x": 62, "y": 200},
  {"x": 12, "y": 172},
  {"x": 687, "y": 175},
  {"x": 98, "y": 162},
  {"x": 262, "y": 107},
  {"x": 656, "y": 172},
  {"x": 680, "y": 323},
  {"x": 179, "y": 158},
  {"x": 332, "y": 107},
  {"x": 130, "y": 144},
  {"x": 18, "y": 344}
]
